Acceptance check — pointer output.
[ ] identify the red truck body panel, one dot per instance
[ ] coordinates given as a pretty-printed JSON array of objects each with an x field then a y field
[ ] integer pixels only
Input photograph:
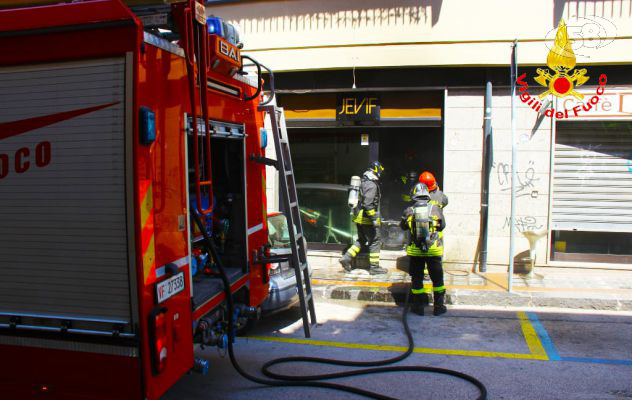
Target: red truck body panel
[{"x": 101, "y": 29}]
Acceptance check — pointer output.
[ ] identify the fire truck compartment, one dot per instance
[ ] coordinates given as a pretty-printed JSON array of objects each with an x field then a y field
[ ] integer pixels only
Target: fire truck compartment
[
  {"x": 227, "y": 221},
  {"x": 64, "y": 257}
]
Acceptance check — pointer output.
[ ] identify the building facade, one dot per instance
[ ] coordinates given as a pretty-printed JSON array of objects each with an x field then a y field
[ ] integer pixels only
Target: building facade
[{"x": 404, "y": 82}]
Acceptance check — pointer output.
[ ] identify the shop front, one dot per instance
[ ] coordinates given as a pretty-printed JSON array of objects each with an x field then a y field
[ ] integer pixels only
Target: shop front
[
  {"x": 334, "y": 136},
  {"x": 591, "y": 212}
]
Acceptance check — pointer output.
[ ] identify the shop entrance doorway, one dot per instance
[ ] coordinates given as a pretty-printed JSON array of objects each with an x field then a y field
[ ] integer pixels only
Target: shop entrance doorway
[{"x": 325, "y": 159}]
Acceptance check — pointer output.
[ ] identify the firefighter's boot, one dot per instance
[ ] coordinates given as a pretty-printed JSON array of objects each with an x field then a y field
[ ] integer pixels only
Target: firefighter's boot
[
  {"x": 345, "y": 261},
  {"x": 377, "y": 270},
  {"x": 416, "y": 305},
  {"x": 425, "y": 299},
  {"x": 439, "y": 303},
  {"x": 374, "y": 264}
]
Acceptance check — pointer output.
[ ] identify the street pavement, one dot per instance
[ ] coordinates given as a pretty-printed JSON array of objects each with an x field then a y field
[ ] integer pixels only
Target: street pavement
[
  {"x": 517, "y": 354},
  {"x": 572, "y": 288}
]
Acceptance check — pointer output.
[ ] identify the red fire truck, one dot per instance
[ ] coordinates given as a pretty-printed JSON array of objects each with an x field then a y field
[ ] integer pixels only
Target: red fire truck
[{"x": 117, "y": 126}]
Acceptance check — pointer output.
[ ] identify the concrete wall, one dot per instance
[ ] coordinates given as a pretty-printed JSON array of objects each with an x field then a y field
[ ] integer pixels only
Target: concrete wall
[
  {"x": 463, "y": 176},
  {"x": 309, "y": 34}
]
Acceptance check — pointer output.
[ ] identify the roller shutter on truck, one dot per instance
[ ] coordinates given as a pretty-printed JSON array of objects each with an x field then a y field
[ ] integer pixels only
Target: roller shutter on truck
[{"x": 64, "y": 242}]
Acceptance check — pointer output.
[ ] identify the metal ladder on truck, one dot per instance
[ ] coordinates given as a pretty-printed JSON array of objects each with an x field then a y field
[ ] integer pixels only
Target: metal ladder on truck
[{"x": 289, "y": 202}]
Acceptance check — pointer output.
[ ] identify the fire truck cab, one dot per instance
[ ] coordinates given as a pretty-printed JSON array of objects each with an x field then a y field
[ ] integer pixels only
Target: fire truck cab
[{"x": 116, "y": 129}]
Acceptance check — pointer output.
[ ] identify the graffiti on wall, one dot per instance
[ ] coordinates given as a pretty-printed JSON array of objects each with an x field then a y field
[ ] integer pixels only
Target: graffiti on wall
[
  {"x": 526, "y": 179},
  {"x": 523, "y": 224}
]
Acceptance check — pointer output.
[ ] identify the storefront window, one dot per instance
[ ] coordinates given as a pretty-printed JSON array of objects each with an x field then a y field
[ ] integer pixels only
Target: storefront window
[
  {"x": 325, "y": 214},
  {"x": 608, "y": 247},
  {"x": 325, "y": 159}
]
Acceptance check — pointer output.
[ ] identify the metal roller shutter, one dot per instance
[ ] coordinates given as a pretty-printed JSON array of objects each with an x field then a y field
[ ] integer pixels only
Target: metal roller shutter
[
  {"x": 592, "y": 181},
  {"x": 63, "y": 226}
]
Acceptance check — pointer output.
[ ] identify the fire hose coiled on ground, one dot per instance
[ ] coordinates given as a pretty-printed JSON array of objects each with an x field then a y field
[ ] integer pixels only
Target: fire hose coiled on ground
[{"x": 281, "y": 380}]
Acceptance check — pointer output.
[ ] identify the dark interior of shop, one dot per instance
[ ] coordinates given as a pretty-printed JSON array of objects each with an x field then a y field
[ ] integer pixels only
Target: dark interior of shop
[{"x": 325, "y": 159}]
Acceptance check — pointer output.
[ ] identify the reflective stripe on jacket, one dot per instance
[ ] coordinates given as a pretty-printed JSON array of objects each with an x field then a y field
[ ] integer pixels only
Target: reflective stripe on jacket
[
  {"x": 433, "y": 251},
  {"x": 436, "y": 248},
  {"x": 364, "y": 218}
]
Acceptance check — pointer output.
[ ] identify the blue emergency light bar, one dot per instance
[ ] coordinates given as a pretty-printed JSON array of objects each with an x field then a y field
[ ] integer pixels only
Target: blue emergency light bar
[{"x": 217, "y": 26}]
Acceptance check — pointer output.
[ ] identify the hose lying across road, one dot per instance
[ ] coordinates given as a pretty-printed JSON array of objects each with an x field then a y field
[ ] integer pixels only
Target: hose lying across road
[{"x": 314, "y": 380}]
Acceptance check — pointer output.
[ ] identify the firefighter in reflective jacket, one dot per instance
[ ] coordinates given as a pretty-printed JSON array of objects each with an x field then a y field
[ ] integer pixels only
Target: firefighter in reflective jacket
[
  {"x": 367, "y": 219},
  {"x": 437, "y": 197},
  {"x": 425, "y": 222},
  {"x": 408, "y": 182}
]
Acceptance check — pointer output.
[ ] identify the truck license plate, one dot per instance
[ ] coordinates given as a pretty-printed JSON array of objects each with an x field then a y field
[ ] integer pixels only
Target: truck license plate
[{"x": 170, "y": 287}]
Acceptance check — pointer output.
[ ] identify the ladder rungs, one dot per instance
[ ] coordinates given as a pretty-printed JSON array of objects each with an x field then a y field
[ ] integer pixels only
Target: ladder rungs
[{"x": 288, "y": 187}]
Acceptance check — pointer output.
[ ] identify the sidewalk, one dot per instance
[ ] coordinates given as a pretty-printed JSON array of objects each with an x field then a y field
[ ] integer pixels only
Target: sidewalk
[{"x": 546, "y": 287}]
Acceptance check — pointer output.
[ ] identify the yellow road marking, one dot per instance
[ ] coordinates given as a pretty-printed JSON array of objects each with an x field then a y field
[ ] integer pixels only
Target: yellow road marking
[
  {"x": 401, "y": 349},
  {"x": 531, "y": 337}
]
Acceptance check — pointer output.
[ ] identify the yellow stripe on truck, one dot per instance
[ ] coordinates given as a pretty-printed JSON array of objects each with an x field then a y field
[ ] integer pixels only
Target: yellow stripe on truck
[{"x": 147, "y": 231}]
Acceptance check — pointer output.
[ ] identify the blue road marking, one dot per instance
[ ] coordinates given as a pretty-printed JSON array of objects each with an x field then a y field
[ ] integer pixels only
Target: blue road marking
[
  {"x": 552, "y": 353},
  {"x": 546, "y": 341},
  {"x": 596, "y": 360}
]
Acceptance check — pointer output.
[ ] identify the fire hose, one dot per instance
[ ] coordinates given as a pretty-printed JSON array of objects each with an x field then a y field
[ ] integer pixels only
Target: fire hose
[{"x": 280, "y": 380}]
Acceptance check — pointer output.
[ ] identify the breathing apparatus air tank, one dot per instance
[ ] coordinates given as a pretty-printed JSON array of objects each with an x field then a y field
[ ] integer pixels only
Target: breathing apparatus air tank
[
  {"x": 422, "y": 216},
  {"x": 354, "y": 192},
  {"x": 422, "y": 225}
]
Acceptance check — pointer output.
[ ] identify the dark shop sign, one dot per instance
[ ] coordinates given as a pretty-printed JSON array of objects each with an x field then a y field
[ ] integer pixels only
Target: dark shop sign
[{"x": 357, "y": 107}]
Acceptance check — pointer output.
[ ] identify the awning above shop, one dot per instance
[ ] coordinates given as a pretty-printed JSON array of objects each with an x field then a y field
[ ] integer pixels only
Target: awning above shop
[{"x": 390, "y": 109}]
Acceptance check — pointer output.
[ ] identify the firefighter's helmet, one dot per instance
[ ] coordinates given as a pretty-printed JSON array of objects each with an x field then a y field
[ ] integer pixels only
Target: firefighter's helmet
[
  {"x": 429, "y": 180},
  {"x": 377, "y": 168},
  {"x": 420, "y": 192}
]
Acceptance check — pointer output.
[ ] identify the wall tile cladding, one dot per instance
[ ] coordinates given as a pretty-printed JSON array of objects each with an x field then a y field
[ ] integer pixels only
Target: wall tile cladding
[
  {"x": 464, "y": 250},
  {"x": 463, "y": 176}
]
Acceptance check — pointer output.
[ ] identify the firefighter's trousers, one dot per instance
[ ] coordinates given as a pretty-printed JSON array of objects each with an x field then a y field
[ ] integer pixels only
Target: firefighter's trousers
[
  {"x": 435, "y": 270},
  {"x": 369, "y": 237}
]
